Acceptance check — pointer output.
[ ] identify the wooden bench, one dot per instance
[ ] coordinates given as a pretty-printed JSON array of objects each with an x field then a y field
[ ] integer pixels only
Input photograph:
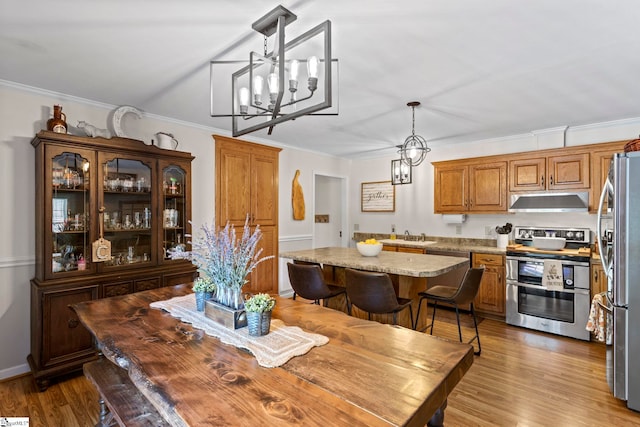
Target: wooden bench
[{"x": 126, "y": 405}]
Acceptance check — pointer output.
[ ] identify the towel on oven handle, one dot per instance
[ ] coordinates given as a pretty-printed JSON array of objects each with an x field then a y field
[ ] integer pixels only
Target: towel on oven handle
[{"x": 552, "y": 278}]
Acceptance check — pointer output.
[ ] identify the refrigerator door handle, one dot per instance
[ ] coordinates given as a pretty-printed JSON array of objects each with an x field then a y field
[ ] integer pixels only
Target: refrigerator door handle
[{"x": 607, "y": 263}]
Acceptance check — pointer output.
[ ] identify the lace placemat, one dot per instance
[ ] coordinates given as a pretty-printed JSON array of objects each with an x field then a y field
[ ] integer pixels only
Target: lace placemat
[{"x": 271, "y": 350}]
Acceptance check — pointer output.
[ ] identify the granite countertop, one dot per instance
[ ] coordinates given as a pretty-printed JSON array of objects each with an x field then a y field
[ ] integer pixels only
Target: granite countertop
[
  {"x": 404, "y": 264},
  {"x": 436, "y": 243}
]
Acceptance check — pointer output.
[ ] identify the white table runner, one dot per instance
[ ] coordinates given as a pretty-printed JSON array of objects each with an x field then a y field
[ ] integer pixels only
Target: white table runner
[{"x": 271, "y": 350}]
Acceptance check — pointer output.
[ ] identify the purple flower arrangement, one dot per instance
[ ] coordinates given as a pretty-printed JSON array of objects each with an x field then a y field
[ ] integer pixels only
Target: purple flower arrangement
[{"x": 225, "y": 260}]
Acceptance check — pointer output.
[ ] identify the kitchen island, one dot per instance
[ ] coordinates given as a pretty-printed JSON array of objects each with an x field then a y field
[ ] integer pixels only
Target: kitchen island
[
  {"x": 367, "y": 374},
  {"x": 407, "y": 271}
]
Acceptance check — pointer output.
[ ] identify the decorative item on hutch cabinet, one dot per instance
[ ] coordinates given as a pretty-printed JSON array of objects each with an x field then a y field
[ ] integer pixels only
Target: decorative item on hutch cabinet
[{"x": 76, "y": 177}]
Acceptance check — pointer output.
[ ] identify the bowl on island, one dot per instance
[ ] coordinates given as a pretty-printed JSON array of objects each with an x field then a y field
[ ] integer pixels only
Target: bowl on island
[{"x": 369, "y": 247}]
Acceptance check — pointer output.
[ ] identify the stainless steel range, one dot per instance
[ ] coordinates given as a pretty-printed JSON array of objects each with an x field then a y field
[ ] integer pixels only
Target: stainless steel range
[{"x": 563, "y": 309}]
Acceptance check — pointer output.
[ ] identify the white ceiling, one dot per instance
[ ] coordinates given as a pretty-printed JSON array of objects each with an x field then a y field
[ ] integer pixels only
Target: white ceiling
[{"x": 481, "y": 69}]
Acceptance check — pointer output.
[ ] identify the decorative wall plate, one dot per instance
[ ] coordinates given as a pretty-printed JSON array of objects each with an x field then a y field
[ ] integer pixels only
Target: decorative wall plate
[{"x": 118, "y": 114}]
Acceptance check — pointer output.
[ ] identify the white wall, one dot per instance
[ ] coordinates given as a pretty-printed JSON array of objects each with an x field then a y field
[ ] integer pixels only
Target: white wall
[
  {"x": 414, "y": 202},
  {"x": 24, "y": 112}
]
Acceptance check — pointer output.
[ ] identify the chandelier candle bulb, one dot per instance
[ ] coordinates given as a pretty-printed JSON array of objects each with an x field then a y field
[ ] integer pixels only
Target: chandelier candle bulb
[
  {"x": 272, "y": 81},
  {"x": 293, "y": 75},
  {"x": 258, "y": 83},
  {"x": 312, "y": 68},
  {"x": 244, "y": 100}
]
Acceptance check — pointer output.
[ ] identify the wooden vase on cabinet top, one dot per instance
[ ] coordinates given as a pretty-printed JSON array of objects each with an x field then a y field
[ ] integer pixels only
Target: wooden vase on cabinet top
[{"x": 58, "y": 123}]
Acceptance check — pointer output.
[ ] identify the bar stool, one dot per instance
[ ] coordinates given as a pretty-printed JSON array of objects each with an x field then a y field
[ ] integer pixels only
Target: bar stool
[
  {"x": 308, "y": 281},
  {"x": 373, "y": 292},
  {"x": 462, "y": 295}
]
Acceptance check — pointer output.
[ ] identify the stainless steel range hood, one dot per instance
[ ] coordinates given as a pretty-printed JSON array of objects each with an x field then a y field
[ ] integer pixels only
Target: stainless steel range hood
[{"x": 550, "y": 202}]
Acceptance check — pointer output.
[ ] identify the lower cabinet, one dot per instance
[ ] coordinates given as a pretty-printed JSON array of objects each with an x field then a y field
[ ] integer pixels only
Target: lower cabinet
[
  {"x": 392, "y": 248},
  {"x": 59, "y": 343},
  {"x": 491, "y": 296},
  {"x": 598, "y": 279}
]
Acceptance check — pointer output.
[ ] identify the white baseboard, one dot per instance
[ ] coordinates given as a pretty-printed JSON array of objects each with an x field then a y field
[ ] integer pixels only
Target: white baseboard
[{"x": 14, "y": 371}]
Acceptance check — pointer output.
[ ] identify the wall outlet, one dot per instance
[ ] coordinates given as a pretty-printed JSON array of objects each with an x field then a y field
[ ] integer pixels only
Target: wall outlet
[
  {"x": 488, "y": 230},
  {"x": 356, "y": 227},
  {"x": 458, "y": 229}
]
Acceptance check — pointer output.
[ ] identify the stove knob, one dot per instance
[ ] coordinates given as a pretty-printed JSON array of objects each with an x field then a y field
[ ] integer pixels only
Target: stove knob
[
  {"x": 569, "y": 233},
  {"x": 579, "y": 235}
]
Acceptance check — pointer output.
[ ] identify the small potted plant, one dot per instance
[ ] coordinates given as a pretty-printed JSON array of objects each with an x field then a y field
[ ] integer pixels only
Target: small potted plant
[
  {"x": 258, "y": 309},
  {"x": 204, "y": 289}
]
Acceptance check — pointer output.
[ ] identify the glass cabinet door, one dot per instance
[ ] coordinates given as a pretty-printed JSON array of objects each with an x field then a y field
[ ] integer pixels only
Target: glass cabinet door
[
  {"x": 127, "y": 217},
  {"x": 68, "y": 236},
  {"x": 175, "y": 215}
]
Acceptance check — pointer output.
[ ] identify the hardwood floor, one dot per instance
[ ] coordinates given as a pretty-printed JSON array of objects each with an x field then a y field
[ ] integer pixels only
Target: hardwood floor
[{"x": 522, "y": 378}]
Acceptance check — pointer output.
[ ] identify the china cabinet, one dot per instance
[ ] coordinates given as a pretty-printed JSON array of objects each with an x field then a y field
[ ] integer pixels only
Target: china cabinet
[
  {"x": 247, "y": 187},
  {"x": 107, "y": 212}
]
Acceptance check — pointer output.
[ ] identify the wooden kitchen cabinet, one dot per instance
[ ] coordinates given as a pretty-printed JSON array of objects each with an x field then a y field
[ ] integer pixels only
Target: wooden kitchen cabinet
[
  {"x": 570, "y": 171},
  {"x": 393, "y": 248},
  {"x": 600, "y": 164},
  {"x": 492, "y": 293},
  {"x": 598, "y": 279},
  {"x": 247, "y": 187},
  {"x": 75, "y": 177},
  {"x": 462, "y": 187}
]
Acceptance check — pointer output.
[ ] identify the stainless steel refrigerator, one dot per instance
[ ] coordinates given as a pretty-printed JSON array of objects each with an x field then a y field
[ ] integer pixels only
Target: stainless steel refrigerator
[{"x": 619, "y": 243}]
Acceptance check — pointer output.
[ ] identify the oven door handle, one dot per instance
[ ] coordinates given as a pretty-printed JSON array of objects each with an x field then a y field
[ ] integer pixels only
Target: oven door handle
[
  {"x": 579, "y": 291},
  {"x": 541, "y": 260}
]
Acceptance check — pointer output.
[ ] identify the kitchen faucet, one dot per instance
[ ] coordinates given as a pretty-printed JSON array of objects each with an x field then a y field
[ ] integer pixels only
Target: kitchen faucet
[
  {"x": 423, "y": 237},
  {"x": 406, "y": 235}
]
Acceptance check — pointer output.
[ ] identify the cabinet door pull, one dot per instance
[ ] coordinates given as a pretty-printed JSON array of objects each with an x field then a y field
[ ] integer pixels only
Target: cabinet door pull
[
  {"x": 73, "y": 323},
  {"x": 542, "y": 180},
  {"x": 550, "y": 179}
]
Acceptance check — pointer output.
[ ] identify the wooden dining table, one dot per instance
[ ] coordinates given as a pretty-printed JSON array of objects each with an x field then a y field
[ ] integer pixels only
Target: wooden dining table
[
  {"x": 409, "y": 272},
  {"x": 368, "y": 374}
]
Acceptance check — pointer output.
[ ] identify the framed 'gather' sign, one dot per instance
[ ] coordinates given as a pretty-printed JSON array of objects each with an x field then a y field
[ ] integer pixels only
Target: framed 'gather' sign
[{"x": 378, "y": 197}]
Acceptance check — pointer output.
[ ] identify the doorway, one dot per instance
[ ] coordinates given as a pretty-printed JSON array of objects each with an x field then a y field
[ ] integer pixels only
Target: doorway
[{"x": 330, "y": 211}]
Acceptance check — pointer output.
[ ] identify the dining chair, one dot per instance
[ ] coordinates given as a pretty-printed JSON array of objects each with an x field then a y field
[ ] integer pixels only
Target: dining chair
[
  {"x": 464, "y": 294},
  {"x": 373, "y": 292},
  {"x": 308, "y": 281}
]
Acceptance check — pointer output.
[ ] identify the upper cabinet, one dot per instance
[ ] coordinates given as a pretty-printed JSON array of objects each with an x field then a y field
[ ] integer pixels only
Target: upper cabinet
[
  {"x": 462, "y": 187},
  {"x": 479, "y": 185},
  {"x": 248, "y": 174},
  {"x": 247, "y": 188},
  {"x": 552, "y": 172},
  {"x": 601, "y": 162}
]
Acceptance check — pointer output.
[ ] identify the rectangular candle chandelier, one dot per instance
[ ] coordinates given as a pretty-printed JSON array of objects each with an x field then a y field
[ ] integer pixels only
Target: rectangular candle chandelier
[{"x": 292, "y": 80}]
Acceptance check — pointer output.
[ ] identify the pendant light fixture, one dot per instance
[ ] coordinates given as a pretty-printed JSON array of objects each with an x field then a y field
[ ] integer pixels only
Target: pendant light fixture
[
  {"x": 415, "y": 149},
  {"x": 305, "y": 59},
  {"x": 400, "y": 172}
]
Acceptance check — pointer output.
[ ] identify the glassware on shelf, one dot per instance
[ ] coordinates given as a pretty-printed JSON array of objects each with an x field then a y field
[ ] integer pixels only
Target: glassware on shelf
[
  {"x": 147, "y": 218},
  {"x": 131, "y": 256},
  {"x": 170, "y": 218},
  {"x": 127, "y": 184}
]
